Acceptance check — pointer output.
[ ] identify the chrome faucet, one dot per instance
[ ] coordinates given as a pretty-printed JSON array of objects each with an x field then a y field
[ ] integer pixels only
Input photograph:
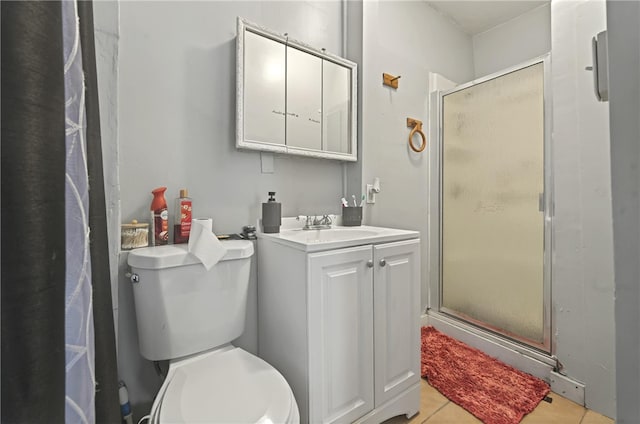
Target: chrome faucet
[
  {"x": 324, "y": 221},
  {"x": 316, "y": 223}
]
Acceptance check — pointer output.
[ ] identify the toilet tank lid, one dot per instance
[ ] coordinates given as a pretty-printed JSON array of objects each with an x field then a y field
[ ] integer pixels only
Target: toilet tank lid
[{"x": 173, "y": 255}]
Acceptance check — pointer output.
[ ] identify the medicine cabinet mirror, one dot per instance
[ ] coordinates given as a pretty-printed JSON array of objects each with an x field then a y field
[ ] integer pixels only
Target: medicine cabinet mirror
[{"x": 293, "y": 98}]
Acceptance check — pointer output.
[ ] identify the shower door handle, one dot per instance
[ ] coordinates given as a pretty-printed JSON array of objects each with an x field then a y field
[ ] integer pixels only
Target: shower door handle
[{"x": 541, "y": 202}]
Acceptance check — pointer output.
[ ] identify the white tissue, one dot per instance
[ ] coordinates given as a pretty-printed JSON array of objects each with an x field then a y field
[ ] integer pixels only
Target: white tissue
[
  {"x": 203, "y": 244},
  {"x": 207, "y": 222}
]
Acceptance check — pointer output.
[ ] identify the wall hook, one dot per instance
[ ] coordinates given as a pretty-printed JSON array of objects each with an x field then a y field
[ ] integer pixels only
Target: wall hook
[
  {"x": 417, "y": 128},
  {"x": 390, "y": 80}
]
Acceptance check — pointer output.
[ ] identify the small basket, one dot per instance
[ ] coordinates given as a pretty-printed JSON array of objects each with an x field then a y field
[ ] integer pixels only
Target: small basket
[
  {"x": 352, "y": 216},
  {"x": 134, "y": 235}
]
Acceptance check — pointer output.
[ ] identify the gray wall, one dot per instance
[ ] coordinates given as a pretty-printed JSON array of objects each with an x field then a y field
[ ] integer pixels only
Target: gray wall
[
  {"x": 354, "y": 48},
  {"x": 624, "y": 85},
  {"x": 177, "y": 111},
  {"x": 408, "y": 39},
  {"x": 176, "y": 127},
  {"x": 582, "y": 288},
  {"x": 583, "y": 261},
  {"x": 515, "y": 41},
  {"x": 175, "y": 117}
]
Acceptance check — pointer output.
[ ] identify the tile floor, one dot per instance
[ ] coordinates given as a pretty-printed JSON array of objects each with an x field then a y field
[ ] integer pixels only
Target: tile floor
[{"x": 437, "y": 409}]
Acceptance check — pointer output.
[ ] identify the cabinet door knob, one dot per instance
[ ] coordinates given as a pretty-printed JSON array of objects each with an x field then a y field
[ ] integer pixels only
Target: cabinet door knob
[
  {"x": 370, "y": 263},
  {"x": 383, "y": 262}
]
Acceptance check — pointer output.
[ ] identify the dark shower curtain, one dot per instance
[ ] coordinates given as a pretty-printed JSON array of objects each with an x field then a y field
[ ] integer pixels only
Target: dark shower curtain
[
  {"x": 33, "y": 218},
  {"x": 107, "y": 404}
]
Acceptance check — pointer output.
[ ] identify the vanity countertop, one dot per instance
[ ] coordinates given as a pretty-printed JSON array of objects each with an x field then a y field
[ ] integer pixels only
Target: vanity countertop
[{"x": 337, "y": 237}]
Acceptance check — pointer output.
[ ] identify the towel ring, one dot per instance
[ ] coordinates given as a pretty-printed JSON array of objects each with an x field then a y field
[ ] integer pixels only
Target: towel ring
[{"x": 417, "y": 128}]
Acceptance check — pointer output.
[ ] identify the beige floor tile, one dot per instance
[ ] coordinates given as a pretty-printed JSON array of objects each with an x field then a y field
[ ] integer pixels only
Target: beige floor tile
[
  {"x": 452, "y": 414},
  {"x": 594, "y": 418},
  {"x": 560, "y": 411},
  {"x": 437, "y": 409},
  {"x": 430, "y": 400}
]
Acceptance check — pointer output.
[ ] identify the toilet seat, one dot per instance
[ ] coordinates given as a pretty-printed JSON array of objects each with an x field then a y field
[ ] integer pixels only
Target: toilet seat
[{"x": 228, "y": 385}]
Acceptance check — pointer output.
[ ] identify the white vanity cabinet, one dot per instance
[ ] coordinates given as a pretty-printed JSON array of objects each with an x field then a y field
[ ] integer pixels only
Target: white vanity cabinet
[
  {"x": 342, "y": 326},
  {"x": 340, "y": 335}
]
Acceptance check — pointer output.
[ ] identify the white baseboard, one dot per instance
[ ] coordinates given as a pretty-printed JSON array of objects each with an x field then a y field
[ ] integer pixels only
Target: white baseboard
[{"x": 566, "y": 387}]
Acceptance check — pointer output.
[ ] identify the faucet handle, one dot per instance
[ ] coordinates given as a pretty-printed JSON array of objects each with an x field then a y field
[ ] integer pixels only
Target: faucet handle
[{"x": 326, "y": 220}]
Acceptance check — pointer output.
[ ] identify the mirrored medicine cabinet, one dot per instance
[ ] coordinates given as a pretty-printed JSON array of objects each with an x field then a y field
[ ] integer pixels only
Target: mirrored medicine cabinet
[{"x": 293, "y": 98}]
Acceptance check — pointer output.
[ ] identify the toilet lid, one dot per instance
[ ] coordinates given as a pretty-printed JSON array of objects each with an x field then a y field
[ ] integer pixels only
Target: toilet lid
[{"x": 227, "y": 387}]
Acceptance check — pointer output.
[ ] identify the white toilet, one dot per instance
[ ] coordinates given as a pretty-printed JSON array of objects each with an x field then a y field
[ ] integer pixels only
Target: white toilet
[{"x": 190, "y": 315}]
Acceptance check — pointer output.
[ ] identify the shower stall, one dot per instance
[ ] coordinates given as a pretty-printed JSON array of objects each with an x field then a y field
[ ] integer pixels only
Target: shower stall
[{"x": 493, "y": 261}]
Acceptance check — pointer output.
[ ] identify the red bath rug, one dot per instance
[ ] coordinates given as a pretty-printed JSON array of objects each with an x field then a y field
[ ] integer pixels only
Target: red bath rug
[{"x": 494, "y": 392}]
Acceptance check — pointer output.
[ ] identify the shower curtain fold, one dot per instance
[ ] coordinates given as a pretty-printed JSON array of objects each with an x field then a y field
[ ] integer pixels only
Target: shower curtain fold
[{"x": 106, "y": 402}]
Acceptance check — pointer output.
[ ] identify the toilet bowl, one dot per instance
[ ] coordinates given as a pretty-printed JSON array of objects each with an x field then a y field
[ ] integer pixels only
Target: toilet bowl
[
  {"x": 189, "y": 315},
  {"x": 227, "y": 385}
]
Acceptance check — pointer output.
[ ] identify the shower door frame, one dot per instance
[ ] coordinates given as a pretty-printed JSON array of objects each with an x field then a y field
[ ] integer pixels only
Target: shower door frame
[{"x": 546, "y": 346}]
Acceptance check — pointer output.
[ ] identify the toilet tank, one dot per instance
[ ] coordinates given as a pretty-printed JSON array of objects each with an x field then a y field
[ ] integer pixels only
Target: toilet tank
[{"x": 181, "y": 308}]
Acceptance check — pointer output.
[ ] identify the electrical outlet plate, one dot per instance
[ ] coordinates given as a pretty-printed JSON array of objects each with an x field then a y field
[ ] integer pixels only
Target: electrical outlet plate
[
  {"x": 267, "y": 165},
  {"x": 371, "y": 195}
]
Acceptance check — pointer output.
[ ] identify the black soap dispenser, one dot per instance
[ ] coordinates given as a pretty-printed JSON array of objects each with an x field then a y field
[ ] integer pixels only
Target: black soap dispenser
[{"x": 271, "y": 214}]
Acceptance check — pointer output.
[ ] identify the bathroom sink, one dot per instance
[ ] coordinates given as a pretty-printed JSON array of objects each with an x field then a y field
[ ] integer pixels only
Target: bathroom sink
[
  {"x": 328, "y": 235},
  {"x": 336, "y": 237}
]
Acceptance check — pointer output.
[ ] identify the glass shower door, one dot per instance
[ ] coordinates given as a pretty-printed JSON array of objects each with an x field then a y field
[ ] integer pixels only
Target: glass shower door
[{"x": 493, "y": 251}]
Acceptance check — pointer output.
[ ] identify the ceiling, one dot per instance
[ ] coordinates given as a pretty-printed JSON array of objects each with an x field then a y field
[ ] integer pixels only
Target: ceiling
[{"x": 476, "y": 16}]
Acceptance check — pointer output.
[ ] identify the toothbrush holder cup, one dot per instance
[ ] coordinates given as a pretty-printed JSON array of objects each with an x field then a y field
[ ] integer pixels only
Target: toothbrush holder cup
[{"x": 352, "y": 216}]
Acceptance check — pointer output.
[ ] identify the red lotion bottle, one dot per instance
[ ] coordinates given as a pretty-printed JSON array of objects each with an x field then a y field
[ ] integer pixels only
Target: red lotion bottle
[
  {"x": 160, "y": 217},
  {"x": 182, "y": 226}
]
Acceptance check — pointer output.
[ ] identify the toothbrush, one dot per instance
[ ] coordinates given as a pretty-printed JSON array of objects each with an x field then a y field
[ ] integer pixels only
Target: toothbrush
[
  {"x": 353, "y": 196},
  {"x": 344, "y": 202},
  {"x": 362, "y": 201}
]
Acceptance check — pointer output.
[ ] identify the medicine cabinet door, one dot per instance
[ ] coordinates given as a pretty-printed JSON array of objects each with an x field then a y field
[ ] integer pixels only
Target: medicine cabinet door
[
  {"x": 264, "y": 92},
  {"x": 304, "y": 100},
  {"x": 336, "y": 107}
]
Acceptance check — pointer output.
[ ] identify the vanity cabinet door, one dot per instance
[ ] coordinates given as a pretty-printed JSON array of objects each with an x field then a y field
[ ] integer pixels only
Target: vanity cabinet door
[
  {"x": 397, "y": 318},
  {"x": 264, "y": 92},
  {"x": 304, "y": 100},
  {"x": 336, "y": 107},
  {"x": 340, "y": 313}
]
